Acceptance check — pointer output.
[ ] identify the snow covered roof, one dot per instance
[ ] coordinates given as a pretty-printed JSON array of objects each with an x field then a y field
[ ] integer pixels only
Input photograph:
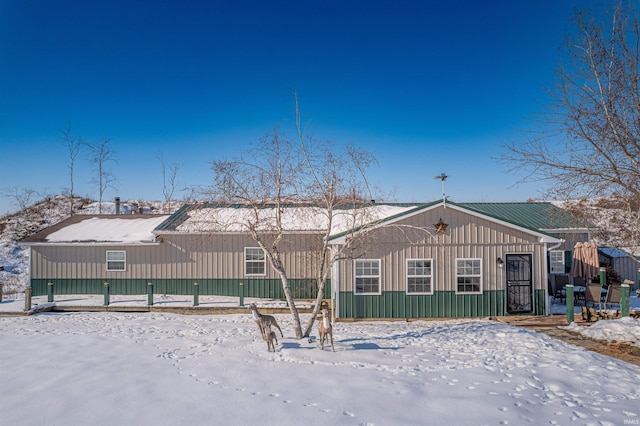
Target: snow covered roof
[
  {"x": 211, "y": 218},
  {"x": 111, "y": 229}
]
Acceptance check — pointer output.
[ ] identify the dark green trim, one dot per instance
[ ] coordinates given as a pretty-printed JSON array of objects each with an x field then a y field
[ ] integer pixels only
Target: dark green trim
[
  {"x": 540, "y": 302},
  {"x": 254, "y": 287},
  {"x": 442, "y": 304}
]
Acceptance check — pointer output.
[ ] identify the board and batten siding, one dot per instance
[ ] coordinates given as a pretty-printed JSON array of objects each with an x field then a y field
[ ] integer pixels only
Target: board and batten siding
[
  {"x": 222, "y": 256},
  {"x": 570, "y": 239},
  {"x": 178, "y": 256},
  {"x": 89, "y": 261},
  {"x": 215, "y": 262},
  {"x": 466, "y": 236}
]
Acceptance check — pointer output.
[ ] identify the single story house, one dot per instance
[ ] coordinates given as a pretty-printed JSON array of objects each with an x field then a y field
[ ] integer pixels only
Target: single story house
[{"x": 438, "y": 259}]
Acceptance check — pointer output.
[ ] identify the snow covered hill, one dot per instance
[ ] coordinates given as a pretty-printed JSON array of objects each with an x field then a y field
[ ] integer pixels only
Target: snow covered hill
[{"x": 14, "y": 227}]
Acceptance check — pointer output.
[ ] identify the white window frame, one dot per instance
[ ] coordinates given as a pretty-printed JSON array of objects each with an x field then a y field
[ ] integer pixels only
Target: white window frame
[
  {"x": 110, "y": 262},
  {"x": 252, "y": 261},
  {"x": 409, "y": 276},
  {"x": 366, "y": 276},
  {"x": 557, "y": 262},
  {"x": 476, "y": 272}
]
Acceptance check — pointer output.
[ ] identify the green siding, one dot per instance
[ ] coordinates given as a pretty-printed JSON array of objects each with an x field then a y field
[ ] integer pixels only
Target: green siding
[
  {"x": 442, "y": 304},
  {"x": 396, "y": 304},
  {"x": 254, "y": 287},
  {"x": 540, "y": 303}
]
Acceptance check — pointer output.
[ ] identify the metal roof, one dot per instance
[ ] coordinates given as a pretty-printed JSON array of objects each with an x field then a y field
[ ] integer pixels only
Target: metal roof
[
  {"x": 535, "y": 216},
  {"x": 611, "y": 252},
  {"x": 541, "y": 216}
]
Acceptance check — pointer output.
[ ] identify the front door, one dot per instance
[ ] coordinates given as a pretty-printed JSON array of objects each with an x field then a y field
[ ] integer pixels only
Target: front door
[{"x": 519, "y": 283}]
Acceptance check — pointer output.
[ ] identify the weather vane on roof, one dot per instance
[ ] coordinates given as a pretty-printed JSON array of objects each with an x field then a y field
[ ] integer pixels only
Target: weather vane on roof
[{"x": 443, "y": 177}]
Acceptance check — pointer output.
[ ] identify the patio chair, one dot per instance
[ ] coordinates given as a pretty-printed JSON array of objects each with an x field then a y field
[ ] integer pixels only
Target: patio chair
[
  {"x": 558, "y": 282},
  {"x": 593, "y": 295},
  {"x": 614, "y": 295}
]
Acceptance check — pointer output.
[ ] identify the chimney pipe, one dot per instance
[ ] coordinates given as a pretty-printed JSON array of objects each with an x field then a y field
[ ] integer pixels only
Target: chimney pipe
[{"x": 117, "y": 205}]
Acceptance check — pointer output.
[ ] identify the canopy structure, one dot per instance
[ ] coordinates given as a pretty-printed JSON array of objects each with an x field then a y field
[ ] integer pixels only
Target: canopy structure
[{"x": 585, "y": 261}]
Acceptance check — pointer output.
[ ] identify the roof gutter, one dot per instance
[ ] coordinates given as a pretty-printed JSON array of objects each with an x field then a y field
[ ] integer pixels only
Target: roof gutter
[{"x": 555, "y": 246}]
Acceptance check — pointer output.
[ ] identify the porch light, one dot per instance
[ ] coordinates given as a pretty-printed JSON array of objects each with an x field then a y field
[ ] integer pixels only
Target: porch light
[{"x": 499, "y": 262}]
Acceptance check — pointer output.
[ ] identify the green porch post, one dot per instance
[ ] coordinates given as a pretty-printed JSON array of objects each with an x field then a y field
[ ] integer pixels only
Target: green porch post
[
  {"x": 49, "y": 292},
  {"x": 624, "y": 300},
  {"x": 603, "y": 277},
  {"x": 106, "y": 293},
  {"x": 150, "y": 293},
  {"x": 569, "y": 297},
  {"x": 196, "y": 294},
  {"x": 241, "y": 293}
]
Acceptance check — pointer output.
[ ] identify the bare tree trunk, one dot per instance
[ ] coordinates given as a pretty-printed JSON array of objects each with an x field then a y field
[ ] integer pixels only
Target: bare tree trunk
[
  {"x": 73, "y": 144},
  {"x": 101, "y": 156},
  {"x": 291, "y": 302},
  {"x": 316, "y": 308}
]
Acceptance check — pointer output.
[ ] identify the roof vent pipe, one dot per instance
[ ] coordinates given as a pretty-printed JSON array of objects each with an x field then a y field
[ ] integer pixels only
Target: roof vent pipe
[{"x": 117, "y": 205}]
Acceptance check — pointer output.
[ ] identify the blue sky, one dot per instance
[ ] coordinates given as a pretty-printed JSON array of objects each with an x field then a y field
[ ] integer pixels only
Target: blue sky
[{"x": 426, "y": 86}]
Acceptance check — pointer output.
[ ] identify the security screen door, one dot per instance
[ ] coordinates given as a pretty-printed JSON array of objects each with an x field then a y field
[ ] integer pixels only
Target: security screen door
[{"x": 519, "y": 283}]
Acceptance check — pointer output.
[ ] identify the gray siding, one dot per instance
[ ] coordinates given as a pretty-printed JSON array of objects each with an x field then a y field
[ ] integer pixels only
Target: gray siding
[
  {"x": 467, "y": 236},
  {"x": 177, "y": 257},
  {"x": 570, "y": 239},
  {"x": 81, "y": 262},
  {"x": 627, "y": 269}
]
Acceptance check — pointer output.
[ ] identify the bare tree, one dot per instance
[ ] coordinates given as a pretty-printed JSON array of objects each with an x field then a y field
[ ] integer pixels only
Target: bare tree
[
  {"x": 169, "y": 181},
  {"x": 101, "y": 155},
  {"x": 306, "y": 180},
  {"x": 333, "y": 178},
  {"x": 265, "y": 176},
  {"x": 73, "y": 145},
  {"x": 588, "y": 143},
  {"x": 23, "y": 198}
]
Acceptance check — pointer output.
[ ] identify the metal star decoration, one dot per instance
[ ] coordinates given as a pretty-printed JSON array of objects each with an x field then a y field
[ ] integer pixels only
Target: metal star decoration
[{"x": 441, "y": 227}]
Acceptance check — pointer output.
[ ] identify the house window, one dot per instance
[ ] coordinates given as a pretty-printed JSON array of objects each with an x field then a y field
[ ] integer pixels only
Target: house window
[
  {"x": 367, "y": 276},
  {"x": 116, "y": 260},
  {"x": 419, "y": 276},
  {"x": 469, "y": 275},
  {"x": 254, "y": 261},
  {"x": 556, "y": 262}
]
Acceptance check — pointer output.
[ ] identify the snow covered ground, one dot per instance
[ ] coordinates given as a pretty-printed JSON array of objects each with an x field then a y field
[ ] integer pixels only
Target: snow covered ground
[{"x": 169, "y": 369}]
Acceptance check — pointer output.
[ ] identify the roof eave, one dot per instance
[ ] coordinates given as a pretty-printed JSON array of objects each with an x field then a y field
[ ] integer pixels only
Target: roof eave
[
  {"x": 88, "y": 243},
  {"x": 544, "y": 237}
]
